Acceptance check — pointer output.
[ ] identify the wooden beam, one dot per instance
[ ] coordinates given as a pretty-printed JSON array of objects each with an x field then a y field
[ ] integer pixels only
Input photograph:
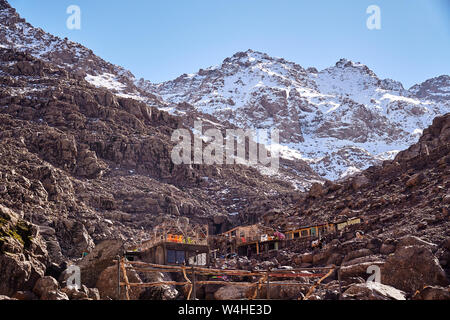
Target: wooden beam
[
  {"x": 190, "y": 283},
  {"x": 118, "y": 277},
  {"x": 311, "y": 290},
  {"x": 125, "y": 277},
  {"x": 249, "y": 284}
]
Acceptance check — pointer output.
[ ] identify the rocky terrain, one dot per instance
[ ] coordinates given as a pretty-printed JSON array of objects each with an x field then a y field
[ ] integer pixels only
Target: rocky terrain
[{"x": 85, "y": 167}]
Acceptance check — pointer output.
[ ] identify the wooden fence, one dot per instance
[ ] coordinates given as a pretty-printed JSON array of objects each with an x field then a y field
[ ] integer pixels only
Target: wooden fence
[{"x": 263, "y": 276}]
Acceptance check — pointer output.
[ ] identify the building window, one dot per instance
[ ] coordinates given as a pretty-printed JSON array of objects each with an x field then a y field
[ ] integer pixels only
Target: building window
[
  {"x": 171, "y": 256},
  {"x": 180, "y": 257},
  {"x": 198, "y": 260},
  {"x": 175, "y": 257}
]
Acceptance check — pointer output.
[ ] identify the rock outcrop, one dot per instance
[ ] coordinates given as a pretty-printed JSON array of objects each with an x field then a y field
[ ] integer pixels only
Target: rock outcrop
[{"x": 23, "y": 254}]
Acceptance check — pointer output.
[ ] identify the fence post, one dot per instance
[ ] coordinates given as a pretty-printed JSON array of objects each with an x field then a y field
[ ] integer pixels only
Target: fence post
[
  {"x": 194, "y": 291},
  {"x": 340, "y": 284},
  {"x": 125, "y": 278},
  {"x": 118, "y": 277},
  {"x": 268, "y": 284}
]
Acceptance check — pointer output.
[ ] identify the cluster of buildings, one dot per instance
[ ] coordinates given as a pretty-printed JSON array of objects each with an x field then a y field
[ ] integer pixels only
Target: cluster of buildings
[{"x": 183, "y": 244}]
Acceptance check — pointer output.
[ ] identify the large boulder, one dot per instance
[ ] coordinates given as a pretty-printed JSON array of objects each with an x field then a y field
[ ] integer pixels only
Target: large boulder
[
  {"x": 74, "y": 233},
  {"x": 357, "y": 254},
  {"x": 359, "y": 182},
  {"x": 411, "y": 268},
  {"x": 233, "y": 292},
  {"x": 84, "y": 293},
  {"x": 280, "y": 291},
  {"x": 416, "y": 241},
  {"x": 47, "y": 288},
  {"x": 210, "y": 289},
  {"x": 44, "y": 285},
  {"x": 358, "y": 267},
  {"x": 25, "y": 296},
  {"x": 107, "y": 284},
  {"x": 415, "y": 180},
  {"x": 164, "y": 292},
  {"x": 433, "y": 293},
  {"x": 372, "y": 291},
  {"x": 99, "y": 259}
]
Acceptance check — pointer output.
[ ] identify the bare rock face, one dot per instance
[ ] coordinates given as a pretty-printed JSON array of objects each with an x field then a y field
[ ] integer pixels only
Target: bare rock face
[
  {"x": 93, "y": 166},
  {"x": 316, "y": 191},
  {"x": 81, "y": 164},
  {"x": 411, "y": 268},
  {"x": 98, "y": 260},
  {"x": 23, "y": 254},
  {"x": 436, "y": 135}
]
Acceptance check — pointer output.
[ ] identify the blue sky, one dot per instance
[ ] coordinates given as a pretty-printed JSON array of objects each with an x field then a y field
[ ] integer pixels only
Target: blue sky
[{"x": 160, "y": 40}]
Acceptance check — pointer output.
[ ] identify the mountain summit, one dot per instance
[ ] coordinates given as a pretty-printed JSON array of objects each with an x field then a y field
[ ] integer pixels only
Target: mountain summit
[{"x": 437, "y": 89}]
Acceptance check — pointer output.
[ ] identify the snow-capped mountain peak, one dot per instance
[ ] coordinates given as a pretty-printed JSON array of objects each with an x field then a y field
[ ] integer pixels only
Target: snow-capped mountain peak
[{"x": 340, "y": 120}]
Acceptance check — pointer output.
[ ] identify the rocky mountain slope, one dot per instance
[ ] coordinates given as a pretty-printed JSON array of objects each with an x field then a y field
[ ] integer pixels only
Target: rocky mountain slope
[
  {"x": 84, "y": 165},
  {"x": 405, "y": 196},
  {"x": 336, "y": 121},
  {"x": 405, "y": 207},
  {"x": 339, "y": 120}
]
